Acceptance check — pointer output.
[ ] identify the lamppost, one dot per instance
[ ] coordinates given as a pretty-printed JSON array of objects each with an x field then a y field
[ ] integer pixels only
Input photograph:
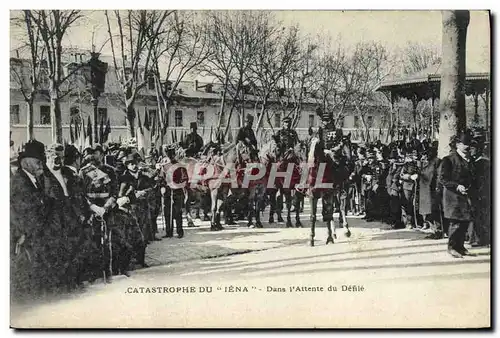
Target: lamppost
[{"x": 98, "y": 70}]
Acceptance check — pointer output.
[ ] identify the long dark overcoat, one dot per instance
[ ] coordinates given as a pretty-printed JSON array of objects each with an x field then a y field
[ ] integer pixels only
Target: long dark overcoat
[
  {"x": 428, "y": 197},
  {"x": 455, "y": 171}
]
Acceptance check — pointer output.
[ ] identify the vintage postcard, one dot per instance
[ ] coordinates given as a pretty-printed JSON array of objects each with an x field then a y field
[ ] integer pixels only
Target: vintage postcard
[{"x": 250, "y": 169}]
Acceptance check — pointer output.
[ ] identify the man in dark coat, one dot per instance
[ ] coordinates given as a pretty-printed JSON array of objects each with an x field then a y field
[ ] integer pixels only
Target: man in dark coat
[
  {"x": 246, "y": 135},
  {"x": 409, "y": 176},
  {"x": 136, "y": 186},
  {"x": 394, "y": 189},
  {"x": 193, "y": 142},
  {"x": 173, "y": 193},
  {"x": 28, "y": 219},
  {"x": 456, "y": 178},
  {"x": 287, "y": 137},
  {"x": 481, "y": 201}
]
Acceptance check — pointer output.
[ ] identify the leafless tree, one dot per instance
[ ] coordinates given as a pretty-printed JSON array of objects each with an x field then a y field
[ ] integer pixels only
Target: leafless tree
[
  {"x": 297, "y": 84},
  {"x": 26, "y": 74},
  {"x": 332, "y": 86},
  {"x": 52, "y": 26},
  {"x": 278, "y": 50},
  {"x": 368, "y": 66},
  {"x": 179, "y": 51},
  {"x": 132, "y": 36},
  {"x": 417, "y": 56},
  {"x": 235, "y": 39}
]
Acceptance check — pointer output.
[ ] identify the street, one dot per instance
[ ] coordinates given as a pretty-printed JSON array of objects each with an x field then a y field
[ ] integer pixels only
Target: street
[{"x": 271, "y": 277}]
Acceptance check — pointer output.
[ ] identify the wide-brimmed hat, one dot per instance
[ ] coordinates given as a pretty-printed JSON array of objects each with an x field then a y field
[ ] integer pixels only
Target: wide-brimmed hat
[
  {"x": 131, "y": 158},
  {"x": 33, "y": 149}
]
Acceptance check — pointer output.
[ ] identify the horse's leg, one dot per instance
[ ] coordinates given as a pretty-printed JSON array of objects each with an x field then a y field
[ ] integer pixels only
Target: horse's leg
[
  {"x": 343, "y": 212},
  {"x": 328, "y": 208},
  {"x": 288, "y": 201},
  {"x": 255, "y": 200},
  {"x": 313, "y": 200},
  {"x": 214, "y": 194},
  {"x": 299, "y": 197},
  {"x": 279, "y": 204},
  {"x": 188, "y": 209},
  {"x": 272, "y": 204}
]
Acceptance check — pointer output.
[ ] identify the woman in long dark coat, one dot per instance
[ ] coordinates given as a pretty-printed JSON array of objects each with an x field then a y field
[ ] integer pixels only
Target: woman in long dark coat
[{"x": 428, "y": 197}]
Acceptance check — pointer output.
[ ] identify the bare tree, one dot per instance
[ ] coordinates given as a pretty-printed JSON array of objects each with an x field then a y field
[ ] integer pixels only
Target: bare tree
[
  {"x": 26, "y": 73},
  {"x": 298, "y": 82},
  {"x": 369, "y": 65},
  {"x": 132, "y": 49},
  {"x": 418, "y": 56},
  {"x": 235, "y": 39},
  {"x": 332, "y": 86},
  {"x": 52, "y": 27},
  {"x": 277, "y": 53},
  {"x": 179, "y": 51}
]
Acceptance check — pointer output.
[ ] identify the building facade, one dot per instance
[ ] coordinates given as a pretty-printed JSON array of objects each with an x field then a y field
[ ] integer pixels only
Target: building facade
[{"x": 193, "y": 101}]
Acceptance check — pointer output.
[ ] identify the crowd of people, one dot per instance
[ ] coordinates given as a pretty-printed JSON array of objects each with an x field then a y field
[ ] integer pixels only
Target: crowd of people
[
  {"x": 405, "y": 184},
  {"x": 81, "y": 216}
]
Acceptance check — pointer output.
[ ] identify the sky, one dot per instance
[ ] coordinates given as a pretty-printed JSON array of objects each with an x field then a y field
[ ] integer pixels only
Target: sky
[{"x": 394, "y": 29}]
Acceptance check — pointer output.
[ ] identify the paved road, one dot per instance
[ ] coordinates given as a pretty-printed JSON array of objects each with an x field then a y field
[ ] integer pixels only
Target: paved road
[{"x": 397, "y": 279}]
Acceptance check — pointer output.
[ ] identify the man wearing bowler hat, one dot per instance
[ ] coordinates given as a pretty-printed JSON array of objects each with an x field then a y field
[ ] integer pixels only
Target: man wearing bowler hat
[
  {"x": 28, "y": 218},
  {"x": 193, "y": 142},
  {"x": 455, "y": 178}
]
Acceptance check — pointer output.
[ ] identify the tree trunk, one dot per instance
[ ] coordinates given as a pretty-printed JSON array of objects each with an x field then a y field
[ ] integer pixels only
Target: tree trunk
[
  {"x": 29, "y": 120},
  {"x": 130, "y": 120},
  {"x": 55, "y": 116},
  {"x": 452, "y": 97}
]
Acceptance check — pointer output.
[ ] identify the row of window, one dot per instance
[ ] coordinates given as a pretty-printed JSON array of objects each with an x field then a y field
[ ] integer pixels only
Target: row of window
[{"x": 178, "y": 117}]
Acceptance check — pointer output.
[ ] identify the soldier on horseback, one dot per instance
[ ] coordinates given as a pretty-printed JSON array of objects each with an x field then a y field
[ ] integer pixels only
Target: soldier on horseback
[
  {"x": 286, "y": 138},
  {"x": 246, "y": 135},
  {"x": 193, "y": 142}
]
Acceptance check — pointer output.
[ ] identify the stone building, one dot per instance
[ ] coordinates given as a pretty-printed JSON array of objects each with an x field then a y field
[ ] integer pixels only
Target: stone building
[{"x": 193, "y": 101}]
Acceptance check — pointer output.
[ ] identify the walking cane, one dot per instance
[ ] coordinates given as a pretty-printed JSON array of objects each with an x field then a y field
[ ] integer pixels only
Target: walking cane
[
  {"x": 103, "y": 234},
  {"x": 415, "y": 205},
  {"x": 163, "y": 212},
  {"x": 171, "y": 208}
]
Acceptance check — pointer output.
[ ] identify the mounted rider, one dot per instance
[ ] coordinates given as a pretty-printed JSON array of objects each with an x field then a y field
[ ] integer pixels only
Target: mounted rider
[
  {"x": 193, "y": 142},
  {"x": 246, "y": 135},
  {"x": 286, "y": 138}
]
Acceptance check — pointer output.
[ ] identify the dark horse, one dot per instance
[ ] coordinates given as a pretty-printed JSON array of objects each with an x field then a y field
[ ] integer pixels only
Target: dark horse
[
  {"x": 336, "y": 165},
  {"x": 291, "y": 158}
]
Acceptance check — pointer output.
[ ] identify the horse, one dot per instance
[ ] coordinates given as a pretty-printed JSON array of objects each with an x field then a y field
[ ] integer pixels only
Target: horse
[
  {"x": 269, "y": 155},
  {"x": 337, "y": 169},
  {"x": 221, "y": 157}
]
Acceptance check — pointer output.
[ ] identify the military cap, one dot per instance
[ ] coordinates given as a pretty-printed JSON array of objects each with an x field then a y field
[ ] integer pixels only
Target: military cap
[
  {"x": 249, "y": 118},
  {"x": 98, "y": 147},
  {"x": 193, "y": 125},
  {"x": 55, "y": 147},
  {"x": 33, "y": 149}
]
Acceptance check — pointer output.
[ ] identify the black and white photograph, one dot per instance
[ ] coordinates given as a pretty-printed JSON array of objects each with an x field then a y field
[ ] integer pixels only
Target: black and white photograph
[{"x": 196, "y": 169}]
